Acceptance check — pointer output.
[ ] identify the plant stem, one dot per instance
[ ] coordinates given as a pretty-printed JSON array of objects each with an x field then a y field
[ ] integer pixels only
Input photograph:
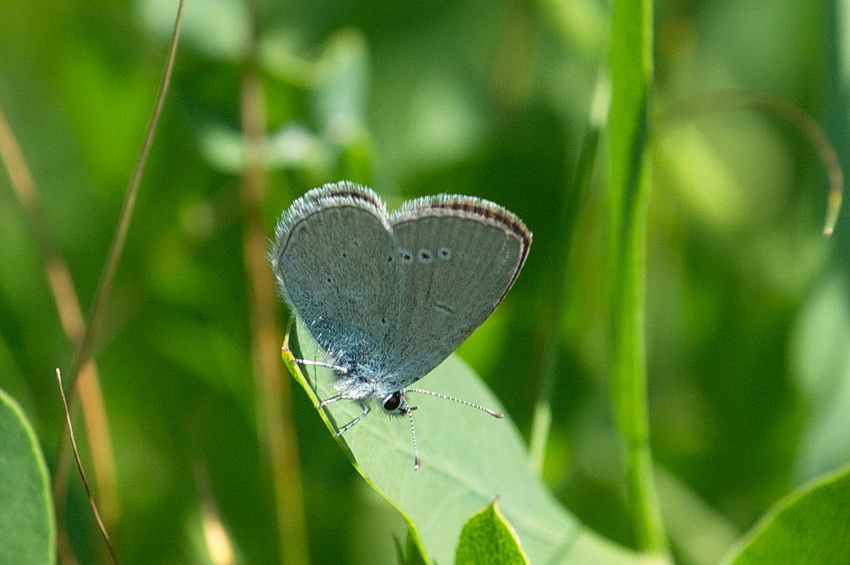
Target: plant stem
[{"x": 630, "y": 170}]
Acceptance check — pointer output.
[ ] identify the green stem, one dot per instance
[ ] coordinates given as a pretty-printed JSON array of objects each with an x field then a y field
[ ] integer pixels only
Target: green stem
[{"x": 630, "y": 170}]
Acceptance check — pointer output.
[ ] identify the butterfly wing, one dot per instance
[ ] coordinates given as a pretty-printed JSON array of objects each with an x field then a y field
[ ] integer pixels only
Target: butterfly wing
[
  {"x": 461, "y": 255},
  {"x": 395, "y": 294},
  {"x": 334, "y": 261}
]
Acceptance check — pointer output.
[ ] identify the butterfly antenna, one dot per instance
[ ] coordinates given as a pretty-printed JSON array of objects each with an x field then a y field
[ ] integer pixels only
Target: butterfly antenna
[
  {"x": 416, "y": 463},
  {"x": 494, "y": 413}
]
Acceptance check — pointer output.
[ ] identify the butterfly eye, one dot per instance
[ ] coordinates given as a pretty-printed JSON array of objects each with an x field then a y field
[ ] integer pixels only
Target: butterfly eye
[{"x": 392, "y": 402}]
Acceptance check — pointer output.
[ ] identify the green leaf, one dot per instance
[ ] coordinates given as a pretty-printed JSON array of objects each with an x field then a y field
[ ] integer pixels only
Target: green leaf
[
  {"x": 488, "y": 538},
  {"x": 468, "y": 459},
  {"x": 409, "y": 554},
  {"x": 26, "y": 510},
  {"x": 812, "y": 526}
]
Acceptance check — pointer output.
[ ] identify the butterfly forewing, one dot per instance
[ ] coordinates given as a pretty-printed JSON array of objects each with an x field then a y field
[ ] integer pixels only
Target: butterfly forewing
[{"x": 335, "y": 261}]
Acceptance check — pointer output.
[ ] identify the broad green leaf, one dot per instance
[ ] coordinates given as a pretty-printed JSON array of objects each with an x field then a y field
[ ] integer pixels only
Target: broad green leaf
[
  {"x": 488, "y": 538},
  {"x": 468, "y": 460},
  {"x": 27, "y": 534},
  {"x": 812, "y": 526}
]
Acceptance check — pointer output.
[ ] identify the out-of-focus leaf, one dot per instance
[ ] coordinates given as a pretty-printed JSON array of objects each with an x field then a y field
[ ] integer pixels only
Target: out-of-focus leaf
[
  {"x": 822, "y": 368},
  {"x": 810, "y": 527},
  {"x": 27, "y": 534}
]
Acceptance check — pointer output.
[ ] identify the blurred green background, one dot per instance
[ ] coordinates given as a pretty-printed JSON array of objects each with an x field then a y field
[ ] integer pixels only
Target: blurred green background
[{"x": 749, "y": 306}]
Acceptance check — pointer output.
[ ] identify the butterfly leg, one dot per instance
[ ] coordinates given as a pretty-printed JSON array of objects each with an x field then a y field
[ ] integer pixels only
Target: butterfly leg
[
  {"x": 338, "y": 368},
  {"x": 327, "y": 401},
  {"x": 351, "y": 424}
]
